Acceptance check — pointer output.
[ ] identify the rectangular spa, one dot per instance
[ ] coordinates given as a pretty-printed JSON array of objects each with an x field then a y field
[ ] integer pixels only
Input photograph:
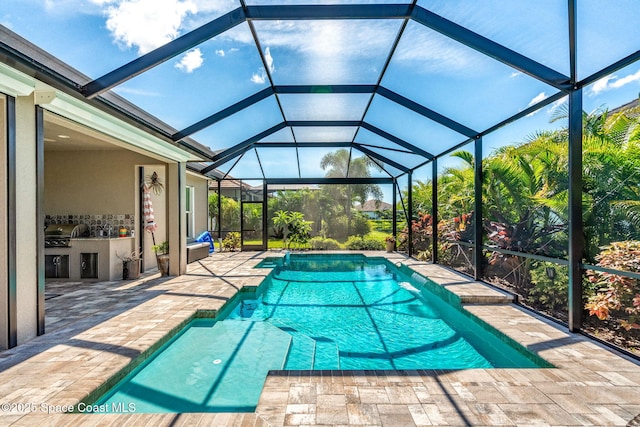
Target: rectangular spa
[{"x": 315, "y": 312}]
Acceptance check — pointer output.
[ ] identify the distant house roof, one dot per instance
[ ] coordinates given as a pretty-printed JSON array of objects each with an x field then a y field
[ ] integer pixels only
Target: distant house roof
[
  {"x": 628, "y": 106},
  {"x": 374, "y": 205}
]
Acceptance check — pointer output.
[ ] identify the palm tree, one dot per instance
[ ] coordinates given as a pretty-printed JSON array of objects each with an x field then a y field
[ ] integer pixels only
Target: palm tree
[
  {"x": 340, "y": 164},
  {"x": 526, "y": 195}
]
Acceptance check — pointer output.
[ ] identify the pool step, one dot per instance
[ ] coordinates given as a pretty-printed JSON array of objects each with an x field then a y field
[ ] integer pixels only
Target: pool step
[
  {"x": 306, "y": 352},
  {"x": 213, "y": 368},
  {"x": 326, "y": 355},
  {"x": 302, "y": 350}
]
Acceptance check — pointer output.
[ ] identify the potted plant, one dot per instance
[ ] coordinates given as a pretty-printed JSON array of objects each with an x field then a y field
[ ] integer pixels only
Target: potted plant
[
  {"x": 130, "y": 265},
  {"x": 162, "y": 257},
  {"x": 390, "y": 242}
]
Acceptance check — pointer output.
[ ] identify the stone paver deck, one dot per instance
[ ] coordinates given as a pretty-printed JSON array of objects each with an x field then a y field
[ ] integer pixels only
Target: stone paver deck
[{"x": 94, "y": 331}]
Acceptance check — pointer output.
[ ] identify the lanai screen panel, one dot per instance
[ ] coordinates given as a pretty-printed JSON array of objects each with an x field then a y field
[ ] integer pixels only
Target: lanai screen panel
[
  {"x": 325, "y": 52},
  {"x": 283, "y": 135},
  {"x": 241, "y": 126},
  {"x": 207, "y": 78},
  {"x": 324, "y": 134},
  {"x": 410, "y": 126},
  {"x": 607, "y": 33},
  {"x": 246, "y": 165},
  {"x": 363, "y": 166},
  {"x": 459, "y": 82},
  {"x": 279, "y": 162},
  {"x": 537, "y": 30},
  {"x": 307, "y": 2},
  {"x": 311, "y": 161},
  {"x": 324, "y": 106},
  {"x": 399, "y": 157}
]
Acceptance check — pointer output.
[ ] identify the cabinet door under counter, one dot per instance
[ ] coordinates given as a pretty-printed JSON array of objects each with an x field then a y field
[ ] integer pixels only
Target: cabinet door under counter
[{"x": 88, "y": 258}]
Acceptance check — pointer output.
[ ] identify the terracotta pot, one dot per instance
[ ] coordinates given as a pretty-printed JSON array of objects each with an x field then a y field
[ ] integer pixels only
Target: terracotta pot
[
  {"x": 390, "y": 246},
  {"x": 130, "y": 269},
  {"x": 163, "y": 264}
]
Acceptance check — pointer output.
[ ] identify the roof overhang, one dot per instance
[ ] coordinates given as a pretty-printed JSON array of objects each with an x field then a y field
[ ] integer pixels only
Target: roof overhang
[{"x": 17, "y": 84}]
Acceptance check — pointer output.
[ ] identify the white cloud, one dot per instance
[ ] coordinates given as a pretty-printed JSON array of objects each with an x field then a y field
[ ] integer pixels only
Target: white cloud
[
  {"x": 601, "y": 85},
  {"x": 626, "y": 80},
  {"x": 269, "y": 60},
  {"x": 220, "y": 52},
  {"x": 613, "y": 82},
  {"x": 559, "y": 103},
  {"x": 328, "y": 38},
  {"x": 190, "y": 61},
  {"x": 260, "y": 77},
  {"x": 540, "y": 97},
  {"x": 435, "y": 53},
  {"x": 146, "y": 24}
]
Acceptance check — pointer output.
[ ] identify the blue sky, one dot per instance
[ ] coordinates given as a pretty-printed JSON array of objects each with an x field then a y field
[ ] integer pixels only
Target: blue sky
[{"x": 96, "y": 36}]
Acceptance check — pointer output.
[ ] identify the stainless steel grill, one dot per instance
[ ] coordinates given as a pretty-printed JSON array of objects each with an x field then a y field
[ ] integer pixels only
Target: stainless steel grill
[{"x": 60, "y": 235}]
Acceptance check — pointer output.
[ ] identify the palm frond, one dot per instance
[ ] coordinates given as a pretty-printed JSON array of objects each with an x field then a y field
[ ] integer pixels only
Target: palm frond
[
  {"x": 464, "y": 155},
  {"x": 560, "y": 113},
  {"x": 557, "y": 203},
  {"x": 630, "y": 209}
]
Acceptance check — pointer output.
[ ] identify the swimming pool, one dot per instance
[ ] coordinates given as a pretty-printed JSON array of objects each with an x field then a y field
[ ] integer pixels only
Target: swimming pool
[{"x": 313, "y": 312}]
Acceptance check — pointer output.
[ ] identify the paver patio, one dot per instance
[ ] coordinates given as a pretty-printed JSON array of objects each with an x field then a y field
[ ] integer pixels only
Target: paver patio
[{"x": 96, "y": 329}]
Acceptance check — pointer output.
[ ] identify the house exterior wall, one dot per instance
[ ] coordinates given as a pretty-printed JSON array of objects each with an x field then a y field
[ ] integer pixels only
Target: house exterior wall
[
  {"x": 26, "y": 220},
  {"x": 91, "y": 182},
  {"x": 175, "y": 187},
  {"x": 4, "y": 253},
  {"x": 76, "y": 182}
]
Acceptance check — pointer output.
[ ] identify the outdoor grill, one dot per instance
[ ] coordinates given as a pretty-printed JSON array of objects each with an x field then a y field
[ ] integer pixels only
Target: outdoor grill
[{"x": 60, "y": 235}]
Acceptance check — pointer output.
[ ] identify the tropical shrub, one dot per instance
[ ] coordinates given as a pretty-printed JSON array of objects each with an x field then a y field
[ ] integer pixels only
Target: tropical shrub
[
  {"x": 616, "y": 295},
  {"x": 231, "y": 242},
  {"x": 321, "y": 243},
  {"x": 422, "y": 232},
  {"x": 337, "y": 227},
  {"x": 357, "y": 243},
  {"x": 360, "y": 224},
  {"x": 549, "y": 287},
  {"x": 295, "y": 228}
]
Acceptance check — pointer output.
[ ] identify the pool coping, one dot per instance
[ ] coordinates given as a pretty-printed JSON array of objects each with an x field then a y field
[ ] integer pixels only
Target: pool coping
[{"x": 591, "y": 384}]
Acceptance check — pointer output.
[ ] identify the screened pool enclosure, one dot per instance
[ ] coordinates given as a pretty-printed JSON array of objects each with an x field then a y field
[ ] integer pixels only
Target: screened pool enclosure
[{"x": 502, "y": 136}]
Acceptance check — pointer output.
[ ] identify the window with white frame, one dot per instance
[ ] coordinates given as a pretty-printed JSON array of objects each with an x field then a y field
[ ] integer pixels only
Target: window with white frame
[{"x": 190, "y": 211}]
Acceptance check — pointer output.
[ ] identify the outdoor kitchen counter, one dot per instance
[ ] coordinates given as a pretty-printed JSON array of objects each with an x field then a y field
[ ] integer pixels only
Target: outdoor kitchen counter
[{"x": 102, "y": 263}]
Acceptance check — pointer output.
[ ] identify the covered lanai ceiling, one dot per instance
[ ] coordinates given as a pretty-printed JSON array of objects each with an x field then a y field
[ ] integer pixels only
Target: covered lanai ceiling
[{"x": 271, "y": 89}]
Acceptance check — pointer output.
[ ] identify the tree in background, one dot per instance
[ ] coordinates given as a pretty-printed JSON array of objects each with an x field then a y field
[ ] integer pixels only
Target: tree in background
[
  {"x": 230, "y": 218},
  {"x": 295, "y": 228},
  {"x": 340, "y": 164}
]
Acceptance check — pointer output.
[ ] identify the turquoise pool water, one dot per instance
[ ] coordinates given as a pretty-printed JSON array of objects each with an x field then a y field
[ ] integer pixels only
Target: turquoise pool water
[{"x": 316, "y": 312}]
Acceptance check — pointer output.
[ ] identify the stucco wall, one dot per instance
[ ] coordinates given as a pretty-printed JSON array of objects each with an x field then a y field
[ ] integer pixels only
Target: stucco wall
[
  {"x": 3, "y": 225},
  {"x": 91, "y": 182},
  {"x": 26, "y": 220}
]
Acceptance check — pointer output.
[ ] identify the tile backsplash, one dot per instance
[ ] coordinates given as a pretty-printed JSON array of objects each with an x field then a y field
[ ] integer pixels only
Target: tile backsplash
[{"x": 95, "y": 222}]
